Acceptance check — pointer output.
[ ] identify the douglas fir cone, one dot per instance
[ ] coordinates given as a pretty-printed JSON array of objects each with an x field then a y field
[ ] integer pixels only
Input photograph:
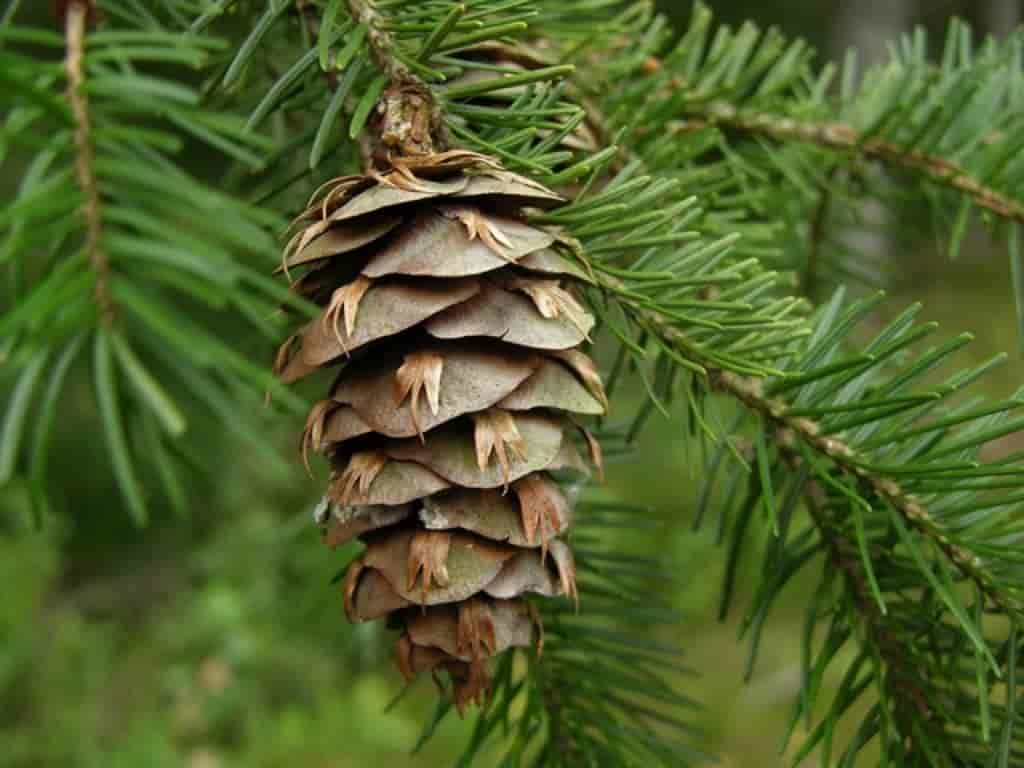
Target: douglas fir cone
[{"x": 457, "y": 333}]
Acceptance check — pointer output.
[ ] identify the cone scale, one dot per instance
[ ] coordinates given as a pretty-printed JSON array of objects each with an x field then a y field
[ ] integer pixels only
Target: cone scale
[{"x": 456, "y": 331}]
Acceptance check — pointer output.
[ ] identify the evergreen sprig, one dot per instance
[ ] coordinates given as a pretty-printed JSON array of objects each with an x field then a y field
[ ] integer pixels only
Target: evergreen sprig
[
  {"x": 702, "y": 171},
  {"x": 98, "y": 256},
  {"x": 749, "y": 109}
]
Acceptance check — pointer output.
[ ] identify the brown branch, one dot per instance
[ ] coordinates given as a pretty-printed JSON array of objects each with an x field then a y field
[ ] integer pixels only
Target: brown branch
[
  {"x": 76, "y": 21},
  {"x": 890, "y": 648},
  {"x": 409, "y": 116},
  {"x": 748, "y": 390},
  {"x": 841, "y": 137}
]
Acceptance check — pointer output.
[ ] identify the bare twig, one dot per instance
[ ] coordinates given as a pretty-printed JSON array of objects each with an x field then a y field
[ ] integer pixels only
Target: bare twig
[{"x": 76, "y": 22}]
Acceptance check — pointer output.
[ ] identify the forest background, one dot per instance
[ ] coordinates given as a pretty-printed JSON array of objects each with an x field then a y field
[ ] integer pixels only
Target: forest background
[{"x": 216, "y": 640}]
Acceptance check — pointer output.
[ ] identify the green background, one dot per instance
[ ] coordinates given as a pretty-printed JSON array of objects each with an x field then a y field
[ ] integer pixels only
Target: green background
[{"x": 216, "y": 640}]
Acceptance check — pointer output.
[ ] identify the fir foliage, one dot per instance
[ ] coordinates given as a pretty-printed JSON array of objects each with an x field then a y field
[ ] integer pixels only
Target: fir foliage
[
  {"x": 747, "y": 114},
  {"x": 101, "y": 268},
  {"x": 711, "y": 173}
]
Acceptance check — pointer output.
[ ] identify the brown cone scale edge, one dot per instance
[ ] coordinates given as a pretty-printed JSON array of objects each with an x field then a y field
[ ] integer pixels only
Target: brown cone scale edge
[{"x": 456, "y": 328}]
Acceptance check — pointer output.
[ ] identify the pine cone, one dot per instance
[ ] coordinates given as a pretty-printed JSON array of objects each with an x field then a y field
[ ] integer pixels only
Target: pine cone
[{"x": 457, "y": 332}]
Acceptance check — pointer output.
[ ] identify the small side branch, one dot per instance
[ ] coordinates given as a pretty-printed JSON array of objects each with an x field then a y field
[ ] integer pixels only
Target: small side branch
[
  {"x": 788, "y": 430},
  {"x": 841, "y": 137},
  {"x": 76, "y": 21},
  {"x": 409, "y": 113},
  {"x": 748, "y": 391},
  {"x": 898, "y": 668}
]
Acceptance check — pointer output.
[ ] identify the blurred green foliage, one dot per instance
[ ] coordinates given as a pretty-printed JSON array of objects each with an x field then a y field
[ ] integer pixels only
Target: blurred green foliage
[{"x": 218, "y": 641}]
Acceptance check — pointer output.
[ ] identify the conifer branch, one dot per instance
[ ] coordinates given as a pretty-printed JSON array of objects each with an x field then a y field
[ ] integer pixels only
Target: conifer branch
[
  {"x": 873, "y": 620},
  {"x": 380, "y": 41},
  {"x": 76, "y": 21},
  {"x": 843, "y": 138},
  {"x": 749, "y": 109},
  {"x": 748, "y": 390},
  {"x": 409, "y": 114},
  {"x": 102, "y": 187}
]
